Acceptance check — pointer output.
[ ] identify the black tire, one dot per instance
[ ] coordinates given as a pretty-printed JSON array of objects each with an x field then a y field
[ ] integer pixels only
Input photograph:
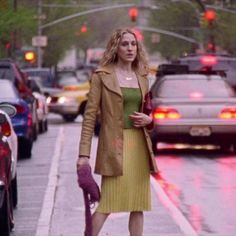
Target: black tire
[
  {"x": 154, "y": 144},
  {"x": 14, "y": 192},
  {"x": 25, "y": 148},
  {"x": 82, "y": 108},
  {"x": 35, "y": 133},
  {"x": 45, "y": 124},
  {"x": 41, "y": 127},
  {"x": 5, "y": 216},
  {"x": 69, "y": 118}
]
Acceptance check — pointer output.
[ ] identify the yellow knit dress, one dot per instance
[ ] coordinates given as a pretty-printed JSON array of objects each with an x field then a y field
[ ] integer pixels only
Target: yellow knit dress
[{"x": 131, "y": 191}]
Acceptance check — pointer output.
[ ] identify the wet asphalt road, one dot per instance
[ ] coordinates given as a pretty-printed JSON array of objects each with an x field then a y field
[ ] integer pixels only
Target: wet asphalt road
[{"x": 200, "y": 183}]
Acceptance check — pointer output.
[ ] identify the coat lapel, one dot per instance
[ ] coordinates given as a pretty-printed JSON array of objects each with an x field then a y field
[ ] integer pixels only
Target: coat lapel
[{"x": 109, "y": 79}]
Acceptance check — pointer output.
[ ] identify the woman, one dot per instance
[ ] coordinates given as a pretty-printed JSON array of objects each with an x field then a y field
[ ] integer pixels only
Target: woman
[{"x": 124, "y": 156}]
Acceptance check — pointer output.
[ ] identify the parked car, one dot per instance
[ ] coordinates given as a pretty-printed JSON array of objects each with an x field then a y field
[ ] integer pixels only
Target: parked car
[
  {"x": 71, "y": 101},
  {"x": 23, "y": 120},
  {"x": 42, "y": 107},
  {"x": 6, "y": 164},
  {"x": 47, "y": 79},
  {"x": 9, "y": 70},
  {"x": 193, "y": 108}
]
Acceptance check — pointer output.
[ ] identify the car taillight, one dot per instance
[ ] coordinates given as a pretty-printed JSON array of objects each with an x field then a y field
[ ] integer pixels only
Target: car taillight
[
  {"x": 6, "y": 129},
  {"x": 4, "y": 150},
  {"x": 209, "y": 60},
  {"x": 29, "y": 120},
  {"x": 166, "y": 113},
  {"x": 19, "y": 109},
  {"x": 228, "y": 113}
]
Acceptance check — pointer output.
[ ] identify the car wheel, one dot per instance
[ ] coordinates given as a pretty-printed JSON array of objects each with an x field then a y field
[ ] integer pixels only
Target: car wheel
[
  {"x": 41, "y": 127},
  {"x": 25, "y": 148},
  {"x": 5, "y": 216},
  {"x": 154, "y": 144},
  {"x": 82, "y": 108},
  {"x": 69, "y": 118},
  {"x": 35, "y": 133},
  {"x": 14, "y": 192},
  {"x": 45, "y": 124}
]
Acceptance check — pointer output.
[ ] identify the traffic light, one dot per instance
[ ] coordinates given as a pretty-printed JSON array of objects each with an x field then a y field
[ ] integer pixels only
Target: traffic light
[
  {"x": 133, "y": 13},
  {"x": 83, "y": 29},
  {"x": 210, "y": 16},
  {"x": 30, "y": 56}
]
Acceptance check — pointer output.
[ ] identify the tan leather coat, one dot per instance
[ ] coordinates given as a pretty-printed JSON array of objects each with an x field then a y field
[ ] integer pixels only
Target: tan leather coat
[{"x": 105, "y": 96}]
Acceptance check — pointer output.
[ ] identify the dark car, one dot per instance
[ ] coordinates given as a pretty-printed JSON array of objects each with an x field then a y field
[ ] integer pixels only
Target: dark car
[
  {"x": 6, "y": 198},
  {"x": 193, "y": 108},
  {"x": 9, "y": 70},
  {"x": 23, "y": 121}
]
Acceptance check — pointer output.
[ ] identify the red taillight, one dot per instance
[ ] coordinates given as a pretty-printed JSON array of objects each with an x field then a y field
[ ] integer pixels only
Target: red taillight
[
  {"x": 19, "y": 109},
  {"x": 29, "y": 120},
  {"x": 6, "y": 129},
  {"x": 228, "y": 113},
  {"x": 166, "y": 113},
  {"x": 4, "y": 150},
  {"x": 209, "y": 60}
]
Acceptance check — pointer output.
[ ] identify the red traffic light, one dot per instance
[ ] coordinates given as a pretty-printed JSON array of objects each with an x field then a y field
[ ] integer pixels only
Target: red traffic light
[
  {"x": 83, "y": 29},
  {"x": 133, "y": 13},
  {"x": 210, "y": 15}
]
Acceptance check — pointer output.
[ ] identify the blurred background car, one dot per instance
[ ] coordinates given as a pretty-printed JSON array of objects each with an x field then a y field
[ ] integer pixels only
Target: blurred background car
[
  {"x": 217, "y": 62},
  {"x": 71, "y": 101},
  {"x": 23, "y": 120},
  {"x": 42, "y": 108},
  {"x": 8, "y": 132},
  {"x": 195, "y": 109},
  {"x": 7, "y": 164}
]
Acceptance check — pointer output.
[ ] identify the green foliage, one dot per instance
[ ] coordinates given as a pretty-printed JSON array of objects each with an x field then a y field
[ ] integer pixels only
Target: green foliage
[{"x": 12, "y": 22}]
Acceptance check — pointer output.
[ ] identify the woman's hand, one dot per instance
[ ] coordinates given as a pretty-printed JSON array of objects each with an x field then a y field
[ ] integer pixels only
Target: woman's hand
[
  {"x": 140, "y": 119},
  {"x": 82, "y": 161}
]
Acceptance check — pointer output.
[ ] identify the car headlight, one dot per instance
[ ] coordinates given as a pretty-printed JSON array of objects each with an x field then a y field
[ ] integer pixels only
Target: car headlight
[{"x": 63, "y": 100}]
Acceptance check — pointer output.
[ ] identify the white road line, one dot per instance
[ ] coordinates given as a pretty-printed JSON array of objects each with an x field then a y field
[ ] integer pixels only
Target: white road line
[
  {"x": 43, "y": 227},
  {"x": 177, "y": 215}
]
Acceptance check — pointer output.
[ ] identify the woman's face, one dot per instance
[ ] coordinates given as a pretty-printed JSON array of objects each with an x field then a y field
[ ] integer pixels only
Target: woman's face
[{"x": 127, "y": 49}]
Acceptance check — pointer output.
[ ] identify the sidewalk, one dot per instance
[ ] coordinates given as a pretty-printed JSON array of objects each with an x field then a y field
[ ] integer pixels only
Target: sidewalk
[{"x": 68, "y": 211}]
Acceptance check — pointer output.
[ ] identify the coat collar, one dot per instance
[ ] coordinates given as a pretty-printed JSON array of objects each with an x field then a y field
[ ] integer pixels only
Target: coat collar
[{"x": 110, "y": 80}]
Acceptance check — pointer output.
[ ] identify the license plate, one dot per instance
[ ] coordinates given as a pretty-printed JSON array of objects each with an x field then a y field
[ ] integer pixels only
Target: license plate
[{"x": 200, "y": 131}]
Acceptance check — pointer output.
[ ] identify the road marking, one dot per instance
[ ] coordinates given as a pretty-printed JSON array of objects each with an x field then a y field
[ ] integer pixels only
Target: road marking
[
  {"x": 43, "y": 226},
  {"x": 177, "y": 215}
]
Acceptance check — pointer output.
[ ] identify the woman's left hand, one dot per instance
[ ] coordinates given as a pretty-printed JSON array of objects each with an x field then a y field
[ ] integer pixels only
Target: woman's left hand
[{"x": 140, "y": 119}]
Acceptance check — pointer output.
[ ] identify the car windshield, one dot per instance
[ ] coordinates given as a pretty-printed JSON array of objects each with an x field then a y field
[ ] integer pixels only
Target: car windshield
[
  {"x": 46, "y": 76},
  {"x": 178, "y": 88},
  {"x": 68, "y": 81},
  {"x": 7, "y": 91},
  {"x": 6, "y": 73}
]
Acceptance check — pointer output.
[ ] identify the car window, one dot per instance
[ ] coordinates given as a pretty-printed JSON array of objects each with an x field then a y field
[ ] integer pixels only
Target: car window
[
  {"x": 183, "y": 88},
  {"x": 68, "y": 81},
  {"x": 46, "y": 77},
  {"x": 7, "y": 91},
  {"x": 6, "y": 72}
]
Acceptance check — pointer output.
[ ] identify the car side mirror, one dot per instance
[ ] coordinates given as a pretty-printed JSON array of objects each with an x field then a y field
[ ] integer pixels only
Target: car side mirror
[{"x": 9, "y": 109}]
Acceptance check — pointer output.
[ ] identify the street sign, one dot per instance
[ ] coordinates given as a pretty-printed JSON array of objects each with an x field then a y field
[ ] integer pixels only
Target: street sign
[{"x": 40, "y": 41}]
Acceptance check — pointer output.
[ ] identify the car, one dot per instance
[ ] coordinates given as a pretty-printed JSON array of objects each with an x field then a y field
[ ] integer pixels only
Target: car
[
  {"x": 23, "y": 120},
  {"x": 42, "y": 107},
  {"x": 6, "y": 174},
  {"x": 71, "y": 101},
  {"x": 193, "y": 108},
  {"x": 65, "y": 76},
  {"x": 217, "y": 62},
  {"x": 47, "y": 78}
]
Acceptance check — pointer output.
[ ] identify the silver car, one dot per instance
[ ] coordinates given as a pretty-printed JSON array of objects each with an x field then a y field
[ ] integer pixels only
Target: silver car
[{"x": 193, "y": 108}]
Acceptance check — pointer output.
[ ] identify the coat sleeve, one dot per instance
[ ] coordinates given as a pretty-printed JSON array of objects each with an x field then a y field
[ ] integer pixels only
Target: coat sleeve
[{"x": 89, "y": 119}]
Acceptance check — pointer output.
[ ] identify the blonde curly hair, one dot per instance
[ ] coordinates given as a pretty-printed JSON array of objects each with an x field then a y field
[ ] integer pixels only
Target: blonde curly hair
[{"x": 110, "y": 53}]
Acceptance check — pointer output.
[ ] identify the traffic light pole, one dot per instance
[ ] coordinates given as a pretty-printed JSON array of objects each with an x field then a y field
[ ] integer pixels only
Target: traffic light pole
[{"x": 39, "y": 49}]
